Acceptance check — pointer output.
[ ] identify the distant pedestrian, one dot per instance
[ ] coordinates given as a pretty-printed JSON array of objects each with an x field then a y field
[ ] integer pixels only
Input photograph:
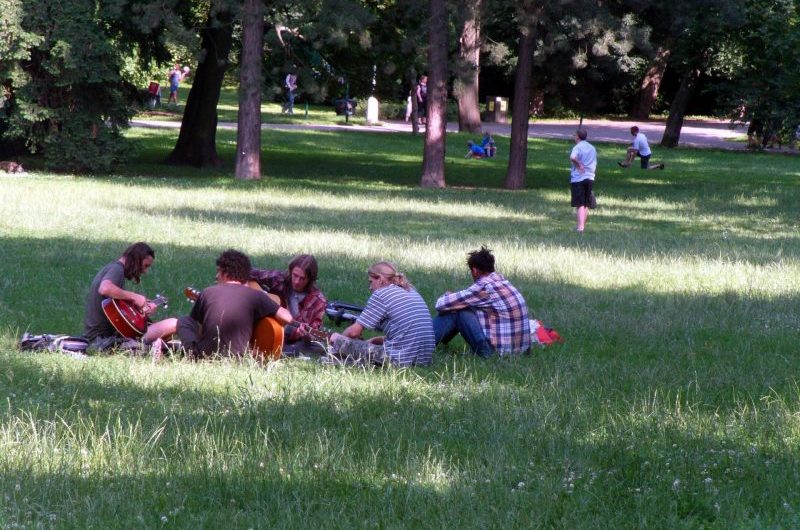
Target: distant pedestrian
[
  {"x": 290, "y": 84},
  {"x": 641, "y": 148},
  {"x": 175, "y": 76},
  {"x": 583, "y": 160},
  {"x": 422, "y": 98}
]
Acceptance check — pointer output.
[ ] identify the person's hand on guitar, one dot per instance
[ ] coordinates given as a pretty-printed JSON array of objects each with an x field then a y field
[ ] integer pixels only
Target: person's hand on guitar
[
  {"x": 149, "y": 307},
  {"x": 141, "y": 302}
]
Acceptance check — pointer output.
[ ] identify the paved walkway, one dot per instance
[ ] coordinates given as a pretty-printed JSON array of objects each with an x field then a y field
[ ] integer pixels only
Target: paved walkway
[{"x": 695, "y": 133}]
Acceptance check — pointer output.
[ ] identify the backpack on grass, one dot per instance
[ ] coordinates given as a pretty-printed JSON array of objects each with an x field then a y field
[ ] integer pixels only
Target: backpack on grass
[
  {"x": 543, "y": 336},
  {"x": 73, "y": 346}
]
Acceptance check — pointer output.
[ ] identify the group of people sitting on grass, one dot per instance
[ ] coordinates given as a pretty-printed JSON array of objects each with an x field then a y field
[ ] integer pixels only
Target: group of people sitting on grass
[{"x": 490, "y": 314}]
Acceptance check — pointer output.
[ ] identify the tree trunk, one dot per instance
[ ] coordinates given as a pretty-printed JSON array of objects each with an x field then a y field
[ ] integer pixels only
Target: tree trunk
[
  {"x": 196, "y": 145},
  {"x": 518, "y": 151},
  {"x": 465, "y": 87},
  {"x": 436, "y": 126},
  {"x": 672, "y": 132},
  {"x": 248, "y": 135},
  {"x": 648, "y": 91}
]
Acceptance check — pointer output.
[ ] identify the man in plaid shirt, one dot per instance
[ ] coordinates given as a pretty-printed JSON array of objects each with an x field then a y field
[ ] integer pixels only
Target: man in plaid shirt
[
  {"x": 490, "y": 314},
  {"x": 298, "y": 291}
]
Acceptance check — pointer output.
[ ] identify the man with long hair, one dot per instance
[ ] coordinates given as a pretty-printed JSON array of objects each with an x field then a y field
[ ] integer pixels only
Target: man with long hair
[
  {"x": 109, "y": 282},
  {"x": 297, "y": 289},
  {"x": 395, "y": 308}
]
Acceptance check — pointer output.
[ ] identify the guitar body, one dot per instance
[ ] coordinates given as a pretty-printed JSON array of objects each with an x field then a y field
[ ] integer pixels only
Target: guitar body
[
  {"x": 267, "y": 340},
  {"x": 125, "y": 317}
]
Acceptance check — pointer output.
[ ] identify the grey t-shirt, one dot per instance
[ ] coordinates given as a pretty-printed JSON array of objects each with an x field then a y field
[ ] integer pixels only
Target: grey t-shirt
[{"x": 95, "y": 322}]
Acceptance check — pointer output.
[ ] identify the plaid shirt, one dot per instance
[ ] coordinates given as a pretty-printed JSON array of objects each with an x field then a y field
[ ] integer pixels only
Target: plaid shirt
[
  {"x": 312, "y": 307},
  {"x": 500, "y": 308}
]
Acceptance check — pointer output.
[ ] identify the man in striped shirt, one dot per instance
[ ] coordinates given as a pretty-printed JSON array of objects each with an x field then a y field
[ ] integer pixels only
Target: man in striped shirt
[
  {"x": 491, "y": 314},
  {"x": 398, "y": 310}
]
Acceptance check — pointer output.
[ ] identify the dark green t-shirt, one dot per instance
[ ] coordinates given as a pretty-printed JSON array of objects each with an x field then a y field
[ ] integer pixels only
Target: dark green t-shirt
[
  {"x": 95, "y": 323},
  {"x": 227, "y": 313}
]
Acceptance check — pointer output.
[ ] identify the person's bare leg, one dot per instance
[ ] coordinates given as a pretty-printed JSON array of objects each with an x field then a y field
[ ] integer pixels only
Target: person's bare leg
[
  {"x": 582, "y": 213},
  {"x": 629, "y": 156}
]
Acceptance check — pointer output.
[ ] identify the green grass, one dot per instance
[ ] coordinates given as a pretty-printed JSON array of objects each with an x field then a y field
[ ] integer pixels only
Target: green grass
[{"x": 673, "y": 402}]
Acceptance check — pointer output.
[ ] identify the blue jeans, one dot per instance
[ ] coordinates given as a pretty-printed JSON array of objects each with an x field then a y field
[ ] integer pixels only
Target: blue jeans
[{"x": 465, "y": 321}]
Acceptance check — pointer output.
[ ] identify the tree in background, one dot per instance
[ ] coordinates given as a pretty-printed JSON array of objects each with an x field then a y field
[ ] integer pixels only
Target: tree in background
[
  {"x": 66, "y": 97},
  {"x": 518, "y": 150},
  {"x": 433, "y": 167},
  {"x": 196, "y": 145},
  {"x": 700, "y": 26},
  {"x": 248, "y": 131},
  {"x": 760, "y": 64},
  {"x": 467, "y": 67}
]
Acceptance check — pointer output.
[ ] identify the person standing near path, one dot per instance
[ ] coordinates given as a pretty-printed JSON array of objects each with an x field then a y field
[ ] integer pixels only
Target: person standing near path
[
  {"x": 290, "y": 84},
  {"x": 175, "y": 77},
  {"x": 583, "y": 161},
  {"x": 640, "y": 148},
  {"x": 422, "y": 98}
]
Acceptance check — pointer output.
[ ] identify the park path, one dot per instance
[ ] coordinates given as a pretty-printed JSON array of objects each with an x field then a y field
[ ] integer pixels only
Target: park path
[{"x": 715, "y": 134}]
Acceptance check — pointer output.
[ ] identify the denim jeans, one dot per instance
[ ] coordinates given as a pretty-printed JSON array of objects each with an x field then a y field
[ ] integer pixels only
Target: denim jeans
[{"x": 465, "y": 321}]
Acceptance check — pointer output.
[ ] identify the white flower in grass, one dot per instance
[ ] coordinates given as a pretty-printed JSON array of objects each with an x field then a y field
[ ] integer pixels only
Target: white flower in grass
[
  {"x": 787, "y": 506},
  {"x": 676, "y": 484},
  {"x": 17, "y": 487},
  {"x": 521, "y": 485},
  {"x": 164, "y": 519}
]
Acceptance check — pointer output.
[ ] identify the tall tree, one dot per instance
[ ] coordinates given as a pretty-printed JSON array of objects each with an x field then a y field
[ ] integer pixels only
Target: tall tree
[
  {"x": 701, "y": 26},
  {"x": 518, "y": 152},
  {"x": 650, "y": 85},
  {"x": 248, "y": 135},
  {"x": 467, "y": 68},
  {"x": 196, "y": 145},
  {"x": 433, "y": 167}
]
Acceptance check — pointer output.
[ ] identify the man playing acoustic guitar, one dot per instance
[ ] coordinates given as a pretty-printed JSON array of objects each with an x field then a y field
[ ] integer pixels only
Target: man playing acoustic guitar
[
  {"x": 297, "y": 289},
  {"x": 109, "y": 283},
  {"x": 224, "y": 315}
]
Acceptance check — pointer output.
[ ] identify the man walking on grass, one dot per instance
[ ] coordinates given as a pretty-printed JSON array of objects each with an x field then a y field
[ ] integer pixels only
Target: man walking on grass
[
  {"x": 639, "y": 148},
  {"x": 583, "y": 159}
]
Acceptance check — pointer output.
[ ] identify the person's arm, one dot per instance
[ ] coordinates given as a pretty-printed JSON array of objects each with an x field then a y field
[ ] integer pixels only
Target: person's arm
[
  {"x": 283, "y": 316},
  {"x": 473, "y": 296},
  {"x": 578, "y": 164},
  {"x": 353, "y": 331},
  {"x": 109, "y": 290}
]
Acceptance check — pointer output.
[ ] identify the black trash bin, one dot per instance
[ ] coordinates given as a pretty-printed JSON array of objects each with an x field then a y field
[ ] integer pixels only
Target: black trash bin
[{"x": 344, "y": 107}]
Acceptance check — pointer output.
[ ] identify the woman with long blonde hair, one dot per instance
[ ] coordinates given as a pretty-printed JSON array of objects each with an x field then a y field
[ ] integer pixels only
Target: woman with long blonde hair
[{"x": 398, "y": 310}]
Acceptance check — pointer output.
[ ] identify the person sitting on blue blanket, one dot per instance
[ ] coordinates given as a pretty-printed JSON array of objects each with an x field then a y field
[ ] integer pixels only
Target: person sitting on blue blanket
[
  {"x": 475, "y": 151},
  {"x": 488, "y": 144}
]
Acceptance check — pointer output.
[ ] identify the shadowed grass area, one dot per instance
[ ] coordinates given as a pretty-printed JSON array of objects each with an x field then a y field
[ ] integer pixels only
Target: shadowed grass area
[{"x": 672, "y": 402}]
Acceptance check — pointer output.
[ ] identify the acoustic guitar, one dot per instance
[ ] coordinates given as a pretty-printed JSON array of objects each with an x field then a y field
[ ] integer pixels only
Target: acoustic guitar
[
  {"x": 126, "y": 318},
  {"x": 266, "y": 343}
]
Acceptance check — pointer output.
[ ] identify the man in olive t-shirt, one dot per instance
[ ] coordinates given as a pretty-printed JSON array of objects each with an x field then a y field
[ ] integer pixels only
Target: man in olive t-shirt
[{"x": 224, "y": 315}]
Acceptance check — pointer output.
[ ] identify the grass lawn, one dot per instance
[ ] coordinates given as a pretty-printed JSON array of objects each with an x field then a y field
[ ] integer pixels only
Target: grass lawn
[{"x": 672, "y": 403}]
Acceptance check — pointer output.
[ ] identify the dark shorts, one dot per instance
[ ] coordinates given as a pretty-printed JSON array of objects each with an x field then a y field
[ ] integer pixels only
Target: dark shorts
[
  {"x": 645, "y": 161},
  {"x": 581, "y": 192}
]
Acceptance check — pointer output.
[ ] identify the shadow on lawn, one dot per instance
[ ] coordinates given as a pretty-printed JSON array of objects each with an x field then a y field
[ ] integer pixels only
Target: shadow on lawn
[{"x": 289, "y": 455}]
